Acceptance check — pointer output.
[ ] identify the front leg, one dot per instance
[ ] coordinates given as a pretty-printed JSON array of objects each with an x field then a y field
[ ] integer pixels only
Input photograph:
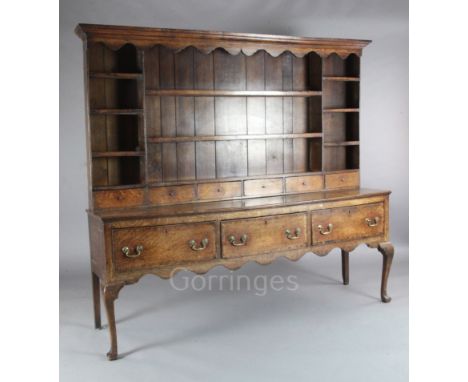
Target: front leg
[
  {"x": 111, "y": 293},
  {"x": 387, "y": 250}
]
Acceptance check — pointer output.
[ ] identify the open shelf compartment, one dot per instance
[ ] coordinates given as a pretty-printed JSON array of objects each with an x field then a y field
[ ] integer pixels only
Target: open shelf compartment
[
  {"x": 340, "y": 97},
  {"x": 115, "y": 82},
  {"x": 117, "y": 171}
]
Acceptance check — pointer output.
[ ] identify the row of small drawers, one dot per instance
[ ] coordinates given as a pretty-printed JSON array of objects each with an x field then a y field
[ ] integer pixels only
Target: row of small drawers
[
  {"x": 225, "y": 190},
  {"x": 146, "y": 247}
]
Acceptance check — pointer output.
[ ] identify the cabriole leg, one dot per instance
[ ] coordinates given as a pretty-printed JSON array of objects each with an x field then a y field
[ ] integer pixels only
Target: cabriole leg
[
  {"x": 387, "y": 250},
  {"x": 111, "y": 293},
  {"x": 345, "y": 266},
  {"x": 96, "y": 300}
]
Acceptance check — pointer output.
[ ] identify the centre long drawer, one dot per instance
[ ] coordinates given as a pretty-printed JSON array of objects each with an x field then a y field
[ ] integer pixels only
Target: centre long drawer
[{"x": 246, "y": 237}]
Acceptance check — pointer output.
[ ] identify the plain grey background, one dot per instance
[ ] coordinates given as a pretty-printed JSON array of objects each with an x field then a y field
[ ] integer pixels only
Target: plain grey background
[{"x": 331, "y": 334}]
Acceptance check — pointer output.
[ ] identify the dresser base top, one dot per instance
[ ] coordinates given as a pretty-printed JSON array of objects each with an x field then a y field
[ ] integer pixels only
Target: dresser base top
[{"x": 234, "y": 205}]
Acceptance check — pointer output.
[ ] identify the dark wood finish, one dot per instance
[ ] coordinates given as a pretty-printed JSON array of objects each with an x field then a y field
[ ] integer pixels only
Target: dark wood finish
[
  {"x": 213, "y": 148},
  {"x": 340, "y": 103},
  {"x": 345, "y": 267},
  {"x": 96, "y": 300}
]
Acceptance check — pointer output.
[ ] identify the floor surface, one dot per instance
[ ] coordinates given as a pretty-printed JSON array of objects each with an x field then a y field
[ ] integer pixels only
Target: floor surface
[{"x": 255, "y": 324}]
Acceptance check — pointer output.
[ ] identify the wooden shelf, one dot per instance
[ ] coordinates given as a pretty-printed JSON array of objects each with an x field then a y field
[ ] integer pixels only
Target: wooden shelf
[
  {"x": 232, "y": 93},
  {"x": 340, "y": 78},
  {"x": 202, "y": 138},
  {"x": 345, "y": 143},
  {"x": 116, "y": 76},
  {"x": 341, "y": 110},
  {"x": 110, "y": 154},
  {"x": 232, "y": 179},
  {"x": 117, "y": 111},
  {"x": 119, "y": 187}
]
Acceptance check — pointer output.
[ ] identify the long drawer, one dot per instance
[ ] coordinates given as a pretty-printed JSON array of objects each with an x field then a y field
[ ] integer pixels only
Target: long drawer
[
  {"x": 246, "y": 237},
  {"x": 347, "y": 223},
  {"x": 138, "y": 248}
]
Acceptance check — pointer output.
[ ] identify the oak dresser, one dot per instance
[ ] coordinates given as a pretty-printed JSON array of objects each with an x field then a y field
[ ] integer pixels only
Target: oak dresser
[{"x": 212, "y": 148}]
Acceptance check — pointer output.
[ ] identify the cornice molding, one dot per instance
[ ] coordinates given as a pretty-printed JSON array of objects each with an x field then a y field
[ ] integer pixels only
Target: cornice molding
[{"x": 205, "y": 41}]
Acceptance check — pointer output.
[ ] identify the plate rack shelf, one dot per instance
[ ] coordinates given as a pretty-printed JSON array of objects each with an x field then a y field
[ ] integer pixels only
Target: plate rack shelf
[{"x": 162, "y": 115}]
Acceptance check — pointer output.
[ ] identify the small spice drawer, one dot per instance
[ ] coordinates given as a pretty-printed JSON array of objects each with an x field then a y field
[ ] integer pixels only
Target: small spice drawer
[
  {"x": 147, "y": 247},
  {"x": 119, "y": 198},
  {"x": 347, "y": 223},
  {"x": 247, "y": 237},
  {"x": 261, "y": 187},
  {"x": 219, "y": 190},
  {"x": 304, "y": 183},
  {"x": 172, "y": 195},
  {"x": 342, "y": 180}
]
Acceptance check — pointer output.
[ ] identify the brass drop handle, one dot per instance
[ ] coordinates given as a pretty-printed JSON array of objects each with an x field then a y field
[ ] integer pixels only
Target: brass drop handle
[
  {"x": 329, "y": 229},
  {"x": 243, "y": 240},
  {"x": 372, "y": 222},
  {"x": 138, "y": 251},
  {"x": 193, "y": 245},
  {"x": 297, "y": 233}
]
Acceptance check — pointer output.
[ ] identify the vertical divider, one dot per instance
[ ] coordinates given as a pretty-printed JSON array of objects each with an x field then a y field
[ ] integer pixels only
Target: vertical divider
[
  {"x": 176, "y": 133},
  {"x": 213, "y": 55},
  {"x": 355, "y": 154},
  {"x": 322, "y": 69},
  {"x": 167, "y": 114},
  {"x": 265, "y": 106},
  {"x": 288, "y": 154},
  {"x": 105, "y": 64},
  {"x": 142, "y": 96},
  {"x": 246, "y": 116},
  {"x": 160, "y": 114},
  {"x": 194, "y": 121}
]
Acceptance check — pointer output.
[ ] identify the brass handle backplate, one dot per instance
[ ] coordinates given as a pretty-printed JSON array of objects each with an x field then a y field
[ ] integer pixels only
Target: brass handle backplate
[
  {"x": 329, "y": 229},
  {"x": 372, "y": 222},
  {"x": 243, "y": 240},
  {"x": 297, "y": 234},
  {"x": 138, "y": 251},
  {"x": 193, "y": 245}
]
